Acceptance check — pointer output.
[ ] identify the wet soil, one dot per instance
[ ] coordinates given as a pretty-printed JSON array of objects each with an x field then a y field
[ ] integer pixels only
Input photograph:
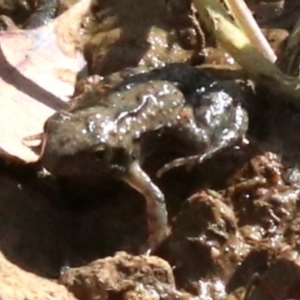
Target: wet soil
[{"x": 235, "y": 220}]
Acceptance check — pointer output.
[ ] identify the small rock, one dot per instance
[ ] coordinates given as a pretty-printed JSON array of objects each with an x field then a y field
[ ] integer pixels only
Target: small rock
[{"x": 124, "y": 275}]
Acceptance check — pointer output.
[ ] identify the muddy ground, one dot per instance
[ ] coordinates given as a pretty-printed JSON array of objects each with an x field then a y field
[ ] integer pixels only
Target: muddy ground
[{"x": 235, "y": 220}]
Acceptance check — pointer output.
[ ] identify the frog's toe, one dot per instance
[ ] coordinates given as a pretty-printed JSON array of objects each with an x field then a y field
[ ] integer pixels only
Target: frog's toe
[
  {"x": 169, "y": 166},
  {"x": 183, "y": 161},
  {"x": 154, "y": 241},
  {"x": 34, "y": 142}
]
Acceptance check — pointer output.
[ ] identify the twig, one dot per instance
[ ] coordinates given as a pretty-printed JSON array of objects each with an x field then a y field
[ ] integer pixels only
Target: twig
[
  {"x": 247, "y": 23},
  {"x": 291, "y": 52},
  {"x": 238, "y": 45}
]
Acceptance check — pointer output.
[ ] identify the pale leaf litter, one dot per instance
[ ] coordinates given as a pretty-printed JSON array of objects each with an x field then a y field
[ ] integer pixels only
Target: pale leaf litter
[{"x": 37, "y": 76}]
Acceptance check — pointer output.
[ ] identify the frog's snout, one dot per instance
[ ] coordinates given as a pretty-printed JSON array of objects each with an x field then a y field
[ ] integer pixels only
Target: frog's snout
[{"x": 56, "y": 120}]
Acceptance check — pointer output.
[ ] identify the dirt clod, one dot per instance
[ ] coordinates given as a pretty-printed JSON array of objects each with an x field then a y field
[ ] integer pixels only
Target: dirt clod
[{"x": 123, "y": 276}]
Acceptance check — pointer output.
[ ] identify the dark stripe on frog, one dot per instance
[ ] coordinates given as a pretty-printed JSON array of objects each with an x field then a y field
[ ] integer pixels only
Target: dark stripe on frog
[{"x": 178, "y": 74}]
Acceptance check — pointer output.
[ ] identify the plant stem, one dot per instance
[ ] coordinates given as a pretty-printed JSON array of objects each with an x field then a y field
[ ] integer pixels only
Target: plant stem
[
  {"x": 238, "y": 45},
  {"x": 247, "y": 23}
]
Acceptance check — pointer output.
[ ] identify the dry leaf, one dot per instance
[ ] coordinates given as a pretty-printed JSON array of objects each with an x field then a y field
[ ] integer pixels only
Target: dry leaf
[{"x": 38, "y": 69}]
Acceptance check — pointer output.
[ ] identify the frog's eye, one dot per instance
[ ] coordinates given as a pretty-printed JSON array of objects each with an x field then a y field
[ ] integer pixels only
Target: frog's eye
[{"x": 100, "y": 152}]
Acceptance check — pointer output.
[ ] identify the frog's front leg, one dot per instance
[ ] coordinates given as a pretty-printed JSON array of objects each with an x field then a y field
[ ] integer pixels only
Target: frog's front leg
[{"x": 156, "y": 208}]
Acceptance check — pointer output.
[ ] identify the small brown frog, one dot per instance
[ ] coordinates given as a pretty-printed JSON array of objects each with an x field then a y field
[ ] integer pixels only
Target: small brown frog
[{"x": 105, "y": 128}]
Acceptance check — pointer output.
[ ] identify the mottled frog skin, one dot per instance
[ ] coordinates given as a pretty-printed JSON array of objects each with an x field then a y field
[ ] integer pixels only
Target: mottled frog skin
[{"x": 105, "y": 127}]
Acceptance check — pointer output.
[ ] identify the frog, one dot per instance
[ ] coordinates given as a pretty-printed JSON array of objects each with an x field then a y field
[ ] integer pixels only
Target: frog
[{"x": 110, "y": 117}]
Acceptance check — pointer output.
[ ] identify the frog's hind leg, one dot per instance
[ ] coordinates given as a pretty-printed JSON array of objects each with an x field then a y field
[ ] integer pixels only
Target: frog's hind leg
[
  {"x": 156, "y": 208},
  {"x": 214, "y": 124},
  {"x": 198, "y": 159},
  {"x": 190, "y": 160},
  {"x": 229, "y": 139}
]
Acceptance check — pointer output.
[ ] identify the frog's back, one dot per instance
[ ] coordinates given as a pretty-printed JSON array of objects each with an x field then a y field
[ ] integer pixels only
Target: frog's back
[
  {"x": 95, "y": 90},
  {"x": 146, "y": 106}
]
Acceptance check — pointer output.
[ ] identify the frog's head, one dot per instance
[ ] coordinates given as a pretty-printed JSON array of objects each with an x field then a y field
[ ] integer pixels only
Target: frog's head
[{"x": 81, "y": 143}]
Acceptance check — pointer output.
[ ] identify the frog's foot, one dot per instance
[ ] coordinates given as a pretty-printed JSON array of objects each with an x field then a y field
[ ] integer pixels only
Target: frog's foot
[
  {"x": 34, "y": 142},
  {"x": 37, "y": 138},
  {"x": 198, "y": 159},
  {"x": 156, "y": 208}
]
